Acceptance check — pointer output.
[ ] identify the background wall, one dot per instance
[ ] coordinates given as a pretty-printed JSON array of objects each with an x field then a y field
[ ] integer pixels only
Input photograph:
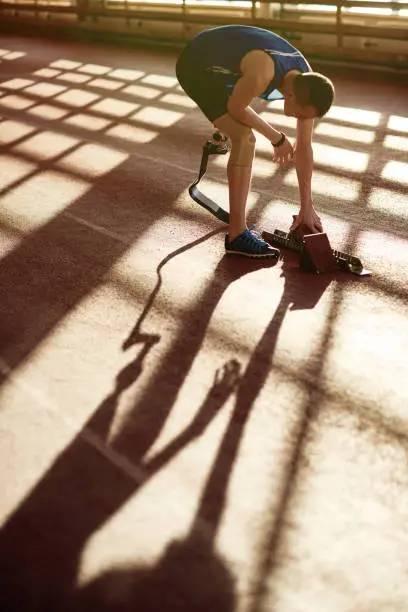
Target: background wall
[{"x": 352, "y": 31}]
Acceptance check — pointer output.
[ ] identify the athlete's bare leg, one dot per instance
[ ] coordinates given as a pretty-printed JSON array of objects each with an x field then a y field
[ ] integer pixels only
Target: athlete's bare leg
[{"x": 239, "y": 170}]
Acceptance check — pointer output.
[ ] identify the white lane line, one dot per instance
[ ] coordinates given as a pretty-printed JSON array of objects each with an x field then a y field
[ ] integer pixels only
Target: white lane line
[
  {"x": 134, "y": 472},
  {"x": 96, "y": 228}
]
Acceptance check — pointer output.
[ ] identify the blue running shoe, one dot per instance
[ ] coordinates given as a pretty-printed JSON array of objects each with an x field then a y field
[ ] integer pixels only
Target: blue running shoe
[
  {"x": 250, "y": 244},
  {"x": 254, "y": 232}
]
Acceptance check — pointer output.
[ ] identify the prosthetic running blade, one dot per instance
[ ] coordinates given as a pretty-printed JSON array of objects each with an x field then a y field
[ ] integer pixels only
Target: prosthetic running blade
[{"x": 218, "y": 145}]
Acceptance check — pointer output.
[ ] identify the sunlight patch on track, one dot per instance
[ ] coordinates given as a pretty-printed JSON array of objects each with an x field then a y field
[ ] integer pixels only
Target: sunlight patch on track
[
  {"x": 398, "y": 123},
  {"x": 46, "y": 145},
  {"x": 47, "y": 73},
  {"x": 389, "y": 202},
  {"x": 396, "y": 172},
  {"x": 73, "y": 77},
  {"x": 386, "y": 255},
  {"x": 328, "y": 185},
  {"x": 139, "y": 91},
  {"x": 95, "y": 69},
  {"x": 16, "y": 84},
  {"x": 14, "y": 102},
  {"x": 11, "y": 130},
  {"x": 341, "y": 132},
  {"x": 278, "y": 120},
  {"x": 40, "y": 198},
  {"x": 399, "y": 143},
  {"x": 92, "y": 160},
  {"x": 64, "y": 64},
  {"x": 108, "y": 84},
  {"x": 125, "y": 74},
  {"x": 355, "y": 352},
  {"x": 13, "y": 169},
  {"x": 77, "y": 98},
  {"x": 155, "y": 117},
  {"x": 357, "y": 116},
  {"x": 338, "y": 157},
  {"x": 114, "y": 108},
  {"x": 45, "y": 90},
  {"x": 48, "y": 112},
  {"x": 178, "y": 100},
  {"x": 131, "y": 134},
  {"x": 13, "y": 55},
  {"x": 88, "y": 122},
  {"x": 160, "y": 80}
]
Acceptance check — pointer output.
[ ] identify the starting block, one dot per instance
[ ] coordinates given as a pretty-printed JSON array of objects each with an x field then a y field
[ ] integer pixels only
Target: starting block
[{"x": 316, "y": 253}]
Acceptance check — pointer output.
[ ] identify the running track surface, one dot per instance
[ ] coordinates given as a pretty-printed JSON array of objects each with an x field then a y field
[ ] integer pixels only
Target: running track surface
[{"x": 183, "y": 431}]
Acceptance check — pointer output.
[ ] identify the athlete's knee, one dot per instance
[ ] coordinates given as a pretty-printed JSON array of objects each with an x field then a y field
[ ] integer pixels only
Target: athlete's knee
[
  {"x": 242, "y": 148},
  {"x": 242, "y": 140}
]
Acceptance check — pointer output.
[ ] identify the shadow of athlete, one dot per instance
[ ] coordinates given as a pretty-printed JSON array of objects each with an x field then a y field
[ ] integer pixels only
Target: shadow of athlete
[{"x": 191, "y": 575}]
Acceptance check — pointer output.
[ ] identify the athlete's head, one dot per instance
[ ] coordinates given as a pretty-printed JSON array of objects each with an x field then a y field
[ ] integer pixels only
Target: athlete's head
[{"x": 311, "y": 95}]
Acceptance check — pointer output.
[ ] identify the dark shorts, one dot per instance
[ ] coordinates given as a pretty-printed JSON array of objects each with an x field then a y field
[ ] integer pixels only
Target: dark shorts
[{"x": 207, "y": 89}]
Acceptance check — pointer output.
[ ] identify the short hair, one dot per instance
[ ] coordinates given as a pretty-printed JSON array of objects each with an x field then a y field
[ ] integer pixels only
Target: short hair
[{"x": 314, "y": 89}]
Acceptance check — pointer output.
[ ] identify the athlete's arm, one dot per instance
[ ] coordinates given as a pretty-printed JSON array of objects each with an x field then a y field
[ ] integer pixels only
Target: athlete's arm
[
  {"x": 304, "y": 160},
  {"x": 257, "y": 70},
  {"x": 304, "y": 171}
]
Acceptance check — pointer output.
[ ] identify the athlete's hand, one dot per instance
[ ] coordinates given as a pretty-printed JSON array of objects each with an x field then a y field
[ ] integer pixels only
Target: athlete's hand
[
  {"x": 310, "y": 218},
  {"x": 283, "y": 154}
]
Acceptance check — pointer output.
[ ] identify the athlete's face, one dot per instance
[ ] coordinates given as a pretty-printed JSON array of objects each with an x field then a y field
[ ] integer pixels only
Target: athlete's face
[{"x": 292, "y": 108}]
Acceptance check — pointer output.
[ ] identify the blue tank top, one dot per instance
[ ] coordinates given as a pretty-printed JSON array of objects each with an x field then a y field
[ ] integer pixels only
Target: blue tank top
[{"x": 220, "y": 50}]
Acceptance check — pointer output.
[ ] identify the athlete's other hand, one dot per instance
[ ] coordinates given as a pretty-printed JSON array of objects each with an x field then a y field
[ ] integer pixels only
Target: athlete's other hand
[
  {"x": 283, "y": 154},
  {"x": 310, "y": 218}
]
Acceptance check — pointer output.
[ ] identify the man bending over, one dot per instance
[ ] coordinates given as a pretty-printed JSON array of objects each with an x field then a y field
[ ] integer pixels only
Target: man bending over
[{"x": 223, "y": 69}]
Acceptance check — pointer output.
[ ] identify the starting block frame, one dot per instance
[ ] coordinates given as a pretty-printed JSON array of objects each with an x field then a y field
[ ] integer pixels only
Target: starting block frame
[{"x": 316, "y": 253}]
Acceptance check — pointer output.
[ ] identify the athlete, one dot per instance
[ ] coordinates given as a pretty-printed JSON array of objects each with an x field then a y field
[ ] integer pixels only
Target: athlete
[{"x": 223, "y": 70}]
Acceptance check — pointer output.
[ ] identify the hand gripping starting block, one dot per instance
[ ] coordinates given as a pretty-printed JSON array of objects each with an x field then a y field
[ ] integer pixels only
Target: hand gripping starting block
[{"x": 316, "y": 253}]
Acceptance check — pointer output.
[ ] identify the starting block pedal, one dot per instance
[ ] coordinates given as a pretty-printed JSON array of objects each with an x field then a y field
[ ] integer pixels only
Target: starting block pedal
[{"x": 316, "y": 253}]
